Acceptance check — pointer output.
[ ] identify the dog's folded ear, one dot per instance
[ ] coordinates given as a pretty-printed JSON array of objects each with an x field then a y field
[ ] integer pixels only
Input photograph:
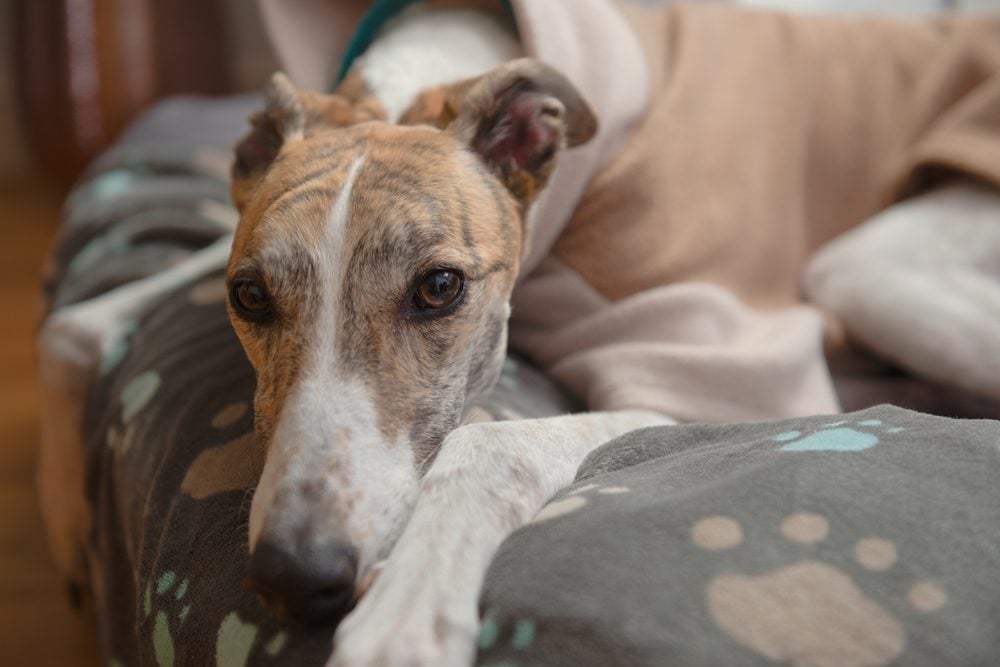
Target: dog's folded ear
[
  {"x": 289, "y": 115},
  {"x": 517, "y": 118},
  {"x": 281, "y": 120}
]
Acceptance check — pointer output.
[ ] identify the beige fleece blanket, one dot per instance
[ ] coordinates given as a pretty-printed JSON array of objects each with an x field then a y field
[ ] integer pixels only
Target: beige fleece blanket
[{"x": 664, "y": 257}]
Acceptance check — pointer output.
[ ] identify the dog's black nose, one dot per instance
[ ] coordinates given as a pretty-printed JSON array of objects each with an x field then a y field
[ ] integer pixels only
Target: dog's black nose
[{"x": 311, "y": 585}]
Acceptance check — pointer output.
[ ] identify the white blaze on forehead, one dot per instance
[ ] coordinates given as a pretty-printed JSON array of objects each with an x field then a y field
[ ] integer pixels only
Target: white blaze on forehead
[
  {"x": 337, "y": 223},
  {"x": 327, "y": 438},
  {"x": 332, "y": 258}
]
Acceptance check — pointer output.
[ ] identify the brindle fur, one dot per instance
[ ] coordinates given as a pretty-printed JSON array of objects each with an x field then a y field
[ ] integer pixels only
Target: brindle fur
[
  {"x": 342, "y": 214},
  {"x": 423, "y": 198}
]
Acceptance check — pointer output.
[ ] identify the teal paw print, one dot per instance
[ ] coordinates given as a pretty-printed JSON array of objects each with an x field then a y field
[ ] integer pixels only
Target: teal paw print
[
  {"x": 838, "y": 436},
  {"x": 164, "y": 600},
  {"x": 519, "y": 637},
  {"x": 167, "y": 594}
]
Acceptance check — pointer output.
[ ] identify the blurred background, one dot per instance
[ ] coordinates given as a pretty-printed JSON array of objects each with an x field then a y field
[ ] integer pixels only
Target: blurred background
[{"x": 73, "y": 73}]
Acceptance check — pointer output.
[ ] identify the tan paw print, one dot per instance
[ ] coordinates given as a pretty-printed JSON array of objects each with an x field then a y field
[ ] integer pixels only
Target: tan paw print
[
  {"x": 809, "y": 613},
  {"x": 576, "y": 500}
]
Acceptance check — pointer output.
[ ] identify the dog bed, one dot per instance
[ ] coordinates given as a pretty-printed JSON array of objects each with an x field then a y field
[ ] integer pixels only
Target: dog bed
[{"x": 864, "y": 539}]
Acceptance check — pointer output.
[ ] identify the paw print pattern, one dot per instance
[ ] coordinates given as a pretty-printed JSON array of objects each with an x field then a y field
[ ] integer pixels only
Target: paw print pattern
[
  {"x": 519, "y": 637},
  {"x": 809, "y": 613},
  {"x": 576, "y": 500},
  {"x": 234, "y": 640},
  {"x": 167, "y": 592},
  {"x": 837, "y": 436}
]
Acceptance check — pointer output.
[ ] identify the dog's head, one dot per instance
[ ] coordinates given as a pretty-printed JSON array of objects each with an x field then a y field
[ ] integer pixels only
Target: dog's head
[{"x": 369, "y": 285}]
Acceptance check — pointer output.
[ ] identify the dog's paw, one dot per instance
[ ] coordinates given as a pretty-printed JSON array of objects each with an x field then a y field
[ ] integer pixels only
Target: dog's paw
[
  {"x": 408, "y": 622},
  {"x": 77, "y": 341}
]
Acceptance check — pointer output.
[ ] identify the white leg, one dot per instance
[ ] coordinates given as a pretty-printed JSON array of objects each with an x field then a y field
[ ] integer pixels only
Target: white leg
[
  {"x": 488, "y": 480},
  {"x": 920, "y": 284},
  {"x": 71, "y": 345}
]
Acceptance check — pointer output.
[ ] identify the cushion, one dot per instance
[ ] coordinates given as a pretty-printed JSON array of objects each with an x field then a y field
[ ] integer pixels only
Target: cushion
[{"x": 863, "y": 539}]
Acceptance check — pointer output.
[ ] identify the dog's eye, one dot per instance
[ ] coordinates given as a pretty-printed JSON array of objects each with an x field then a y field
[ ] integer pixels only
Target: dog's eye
[
  {"x": 438, "y": 289},
  {"x": 250, "y": 299}
]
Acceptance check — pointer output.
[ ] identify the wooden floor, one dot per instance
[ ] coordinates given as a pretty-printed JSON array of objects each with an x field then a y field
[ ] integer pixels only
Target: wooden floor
[{"x": 37, "y": 627}]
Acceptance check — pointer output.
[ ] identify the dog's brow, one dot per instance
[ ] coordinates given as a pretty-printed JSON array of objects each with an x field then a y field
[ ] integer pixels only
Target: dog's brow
[
  {"x": 287, "y": 255},
  {"x": 297, "y": 197},
  {"x": 324, "y": 160},
  {"x": 410, "y": 245}
]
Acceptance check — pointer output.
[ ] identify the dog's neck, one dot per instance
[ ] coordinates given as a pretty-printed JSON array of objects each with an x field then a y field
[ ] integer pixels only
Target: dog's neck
[{"x": 422, "y": 48}]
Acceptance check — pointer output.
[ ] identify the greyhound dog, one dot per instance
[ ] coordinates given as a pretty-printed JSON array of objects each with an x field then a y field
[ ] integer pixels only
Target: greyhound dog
[
  {"x": 370, "y": 282},
  {"x": 374, "y": 311}
]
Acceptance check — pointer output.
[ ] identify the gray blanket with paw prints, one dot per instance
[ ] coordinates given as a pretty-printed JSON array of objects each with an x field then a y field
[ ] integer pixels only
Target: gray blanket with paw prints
[{"x": 861, "y": 540}]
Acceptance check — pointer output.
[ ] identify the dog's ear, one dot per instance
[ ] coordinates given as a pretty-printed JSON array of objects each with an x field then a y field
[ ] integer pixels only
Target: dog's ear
[
  {"x": 517, "y": 118},
  {"x": 289, "y": 115},
  {"x": 282, "y": 119}
]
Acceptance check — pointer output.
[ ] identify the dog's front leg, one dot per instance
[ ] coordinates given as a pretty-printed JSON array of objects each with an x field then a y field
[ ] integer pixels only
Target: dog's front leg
[
  {"x": 72, "y": 344},
  {"x": 488, "y": 480}
]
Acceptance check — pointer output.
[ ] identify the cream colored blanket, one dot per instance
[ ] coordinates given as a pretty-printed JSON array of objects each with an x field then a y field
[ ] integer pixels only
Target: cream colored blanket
[{"x": 664, "y": 257}]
